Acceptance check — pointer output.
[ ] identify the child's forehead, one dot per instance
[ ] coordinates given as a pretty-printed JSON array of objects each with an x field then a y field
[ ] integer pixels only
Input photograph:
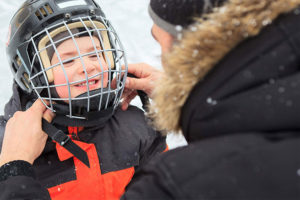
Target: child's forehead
[{"x": 80, "y": 42}]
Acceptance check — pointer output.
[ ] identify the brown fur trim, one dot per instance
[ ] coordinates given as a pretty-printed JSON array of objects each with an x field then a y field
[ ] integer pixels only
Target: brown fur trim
[{"x": 204, "y": 45}]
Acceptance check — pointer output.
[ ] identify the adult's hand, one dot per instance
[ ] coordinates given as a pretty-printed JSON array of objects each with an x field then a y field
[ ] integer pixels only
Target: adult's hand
[
  {"x": 24, "y": 138},
  {"x": 146, "y": 77}
]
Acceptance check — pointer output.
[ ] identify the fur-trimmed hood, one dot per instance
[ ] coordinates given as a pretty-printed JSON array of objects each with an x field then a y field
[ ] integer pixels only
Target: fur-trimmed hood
[{"x": 203, "y": 46}]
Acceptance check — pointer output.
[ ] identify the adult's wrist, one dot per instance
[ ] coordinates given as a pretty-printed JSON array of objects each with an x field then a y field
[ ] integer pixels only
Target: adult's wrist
[
  {"x": 9, "y": 158},
  {"x": 16, "y": 168}
]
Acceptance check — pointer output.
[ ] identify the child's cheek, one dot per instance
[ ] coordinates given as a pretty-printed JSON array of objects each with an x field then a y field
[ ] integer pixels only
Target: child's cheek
[
  {"x": 105, "y": 81},
  {"x": 59, "y": 79}
]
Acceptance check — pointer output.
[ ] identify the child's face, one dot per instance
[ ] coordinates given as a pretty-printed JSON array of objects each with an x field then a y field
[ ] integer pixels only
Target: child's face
[{"x": 75, "y": 70}]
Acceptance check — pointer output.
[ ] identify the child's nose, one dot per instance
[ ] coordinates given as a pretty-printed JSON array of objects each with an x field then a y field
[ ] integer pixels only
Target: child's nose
[
  {"x": 92, "y": 64},
  {"x": 89, "y": 65}
]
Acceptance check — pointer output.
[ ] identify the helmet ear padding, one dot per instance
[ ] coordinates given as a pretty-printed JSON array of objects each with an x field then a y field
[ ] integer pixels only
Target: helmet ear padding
[{"x": 42, "y": 46}]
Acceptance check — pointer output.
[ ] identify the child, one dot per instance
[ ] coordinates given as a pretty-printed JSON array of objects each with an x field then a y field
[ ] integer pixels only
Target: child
[{"x": 66, "y": 54}]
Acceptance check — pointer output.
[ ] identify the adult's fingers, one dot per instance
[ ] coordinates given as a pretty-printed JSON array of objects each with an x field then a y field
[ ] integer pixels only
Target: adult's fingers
[
  {"x": 116, "y": 80},
  {"x": 126, "y": 101},
  {"x": 48, "y": 115},
  {"x": 141, "y": 70},
  {"x": 136, "y": 69},
  {"x": 38, "y": 107},
  {"x": 114, "y": 83},
  {"x": 132, "y": 83},
  {"x": 126, "y": 92}
]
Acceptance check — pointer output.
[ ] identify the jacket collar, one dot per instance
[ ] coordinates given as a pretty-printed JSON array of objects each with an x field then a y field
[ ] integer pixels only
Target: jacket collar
[{"x": 203, "y": 46}]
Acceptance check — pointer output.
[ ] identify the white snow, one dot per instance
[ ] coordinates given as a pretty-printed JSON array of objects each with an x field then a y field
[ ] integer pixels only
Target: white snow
[{"x": 133, "y": 24}]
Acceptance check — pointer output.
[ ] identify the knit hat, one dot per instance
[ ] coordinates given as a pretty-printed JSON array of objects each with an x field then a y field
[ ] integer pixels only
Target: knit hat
[{"x": 174, "y": 15}]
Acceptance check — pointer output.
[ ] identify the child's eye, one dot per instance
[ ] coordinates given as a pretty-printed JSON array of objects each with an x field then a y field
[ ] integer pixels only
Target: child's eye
[
  {"x": 68, "y": 63},
  {"x": 94, "y": 57}
]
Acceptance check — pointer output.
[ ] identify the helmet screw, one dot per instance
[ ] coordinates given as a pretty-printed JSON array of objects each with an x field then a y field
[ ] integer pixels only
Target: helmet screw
[
  {"x": 92, "y": 12},
  {"x": 67, "y": 15}
]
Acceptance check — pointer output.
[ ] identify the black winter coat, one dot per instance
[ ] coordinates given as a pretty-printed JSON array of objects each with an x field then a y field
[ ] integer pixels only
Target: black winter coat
[
  {"x": 115, "y": 150},
  {"x": 241, "y": 121}
]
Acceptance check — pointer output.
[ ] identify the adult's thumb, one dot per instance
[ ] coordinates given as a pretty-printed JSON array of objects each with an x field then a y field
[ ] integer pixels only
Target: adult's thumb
[
  {"x": 38, "y": 107},
  {"x": 135, "y": 83}
]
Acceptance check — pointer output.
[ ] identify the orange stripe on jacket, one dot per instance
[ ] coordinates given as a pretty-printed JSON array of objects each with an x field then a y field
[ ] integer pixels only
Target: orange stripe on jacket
[
  {"x": 166, "y": 149},
  {"x": 90, "y": 183}
]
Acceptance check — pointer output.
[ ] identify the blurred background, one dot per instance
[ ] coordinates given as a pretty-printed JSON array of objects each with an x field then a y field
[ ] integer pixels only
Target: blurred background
[{"x": 130, "y": 19}]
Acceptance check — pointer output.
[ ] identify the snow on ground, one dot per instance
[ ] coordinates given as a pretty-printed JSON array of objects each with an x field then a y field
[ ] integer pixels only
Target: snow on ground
[{"x": 133, "y": 24}]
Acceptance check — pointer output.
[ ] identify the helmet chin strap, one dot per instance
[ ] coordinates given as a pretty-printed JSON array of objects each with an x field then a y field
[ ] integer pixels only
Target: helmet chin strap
[
  {"x": 92, "y": 118},
  {"x": 101, "y": 108},
  {"x": 79, "y": 105}
]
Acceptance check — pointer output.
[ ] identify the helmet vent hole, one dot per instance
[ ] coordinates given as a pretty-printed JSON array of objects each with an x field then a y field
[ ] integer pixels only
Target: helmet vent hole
[
  {"x": 49, "y": 9},
  {"x": 14, "y": 67},
  {"x": 18, "y": 60},
  {"x": 43, "y": 11},
  {"x": 25, "y": 75},
  {"x": 25, "y": 80},
  {"x": 38, "y": 14}
]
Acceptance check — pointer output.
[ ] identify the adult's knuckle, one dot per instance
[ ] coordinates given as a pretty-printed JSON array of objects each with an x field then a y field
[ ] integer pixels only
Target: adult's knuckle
[{"x": 17, "y": 114}]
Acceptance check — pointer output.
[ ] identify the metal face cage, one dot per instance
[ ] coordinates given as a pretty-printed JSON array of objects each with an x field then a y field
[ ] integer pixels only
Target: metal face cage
[{"x": 87, "y": 55}]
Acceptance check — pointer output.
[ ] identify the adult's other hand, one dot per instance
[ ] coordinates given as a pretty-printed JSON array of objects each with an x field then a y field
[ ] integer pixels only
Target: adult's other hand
[{"x": 24, "y": 138}]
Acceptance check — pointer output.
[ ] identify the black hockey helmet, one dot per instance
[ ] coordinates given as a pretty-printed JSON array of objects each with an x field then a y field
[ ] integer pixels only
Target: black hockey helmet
[{"x": 35, "y": 33}]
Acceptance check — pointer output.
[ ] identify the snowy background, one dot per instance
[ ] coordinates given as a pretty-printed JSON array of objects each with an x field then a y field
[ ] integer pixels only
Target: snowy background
[{"x": 130, "y": 19}]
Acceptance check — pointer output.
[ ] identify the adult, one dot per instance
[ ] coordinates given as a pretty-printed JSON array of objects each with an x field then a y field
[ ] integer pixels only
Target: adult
[
  {"x": 170, "y": 18},
  {"x": 231, "y": 85}
]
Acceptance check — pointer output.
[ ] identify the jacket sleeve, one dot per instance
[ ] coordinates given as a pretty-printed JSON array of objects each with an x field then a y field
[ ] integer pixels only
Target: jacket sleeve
[
  {"x": 17, "y": 181},
  {"x": 151, "y": 182},
  {"x": 149, "y": 141},
  {"x": 17, "y": 178},
  {"x": 2, "y": 130},
  {"x": 153, "y": 145}
]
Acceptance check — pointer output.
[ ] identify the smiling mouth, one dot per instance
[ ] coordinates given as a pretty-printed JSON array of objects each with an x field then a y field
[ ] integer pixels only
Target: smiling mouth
[{"x": 93, "y": 82}]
